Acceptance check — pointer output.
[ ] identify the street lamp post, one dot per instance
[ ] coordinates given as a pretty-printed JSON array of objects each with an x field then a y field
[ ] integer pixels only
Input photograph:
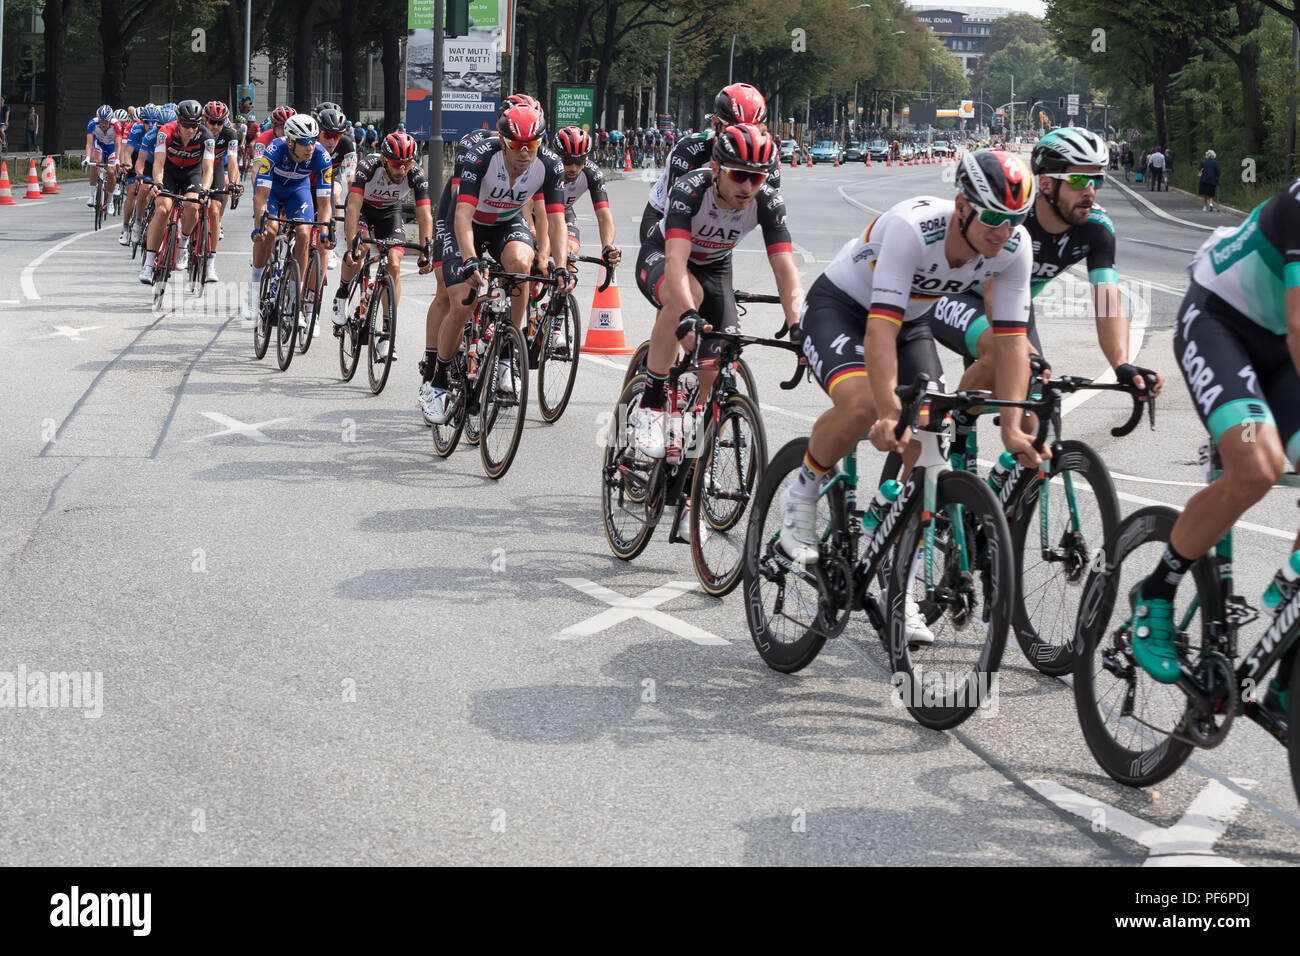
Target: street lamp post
[{"x": 732, "y": 59}]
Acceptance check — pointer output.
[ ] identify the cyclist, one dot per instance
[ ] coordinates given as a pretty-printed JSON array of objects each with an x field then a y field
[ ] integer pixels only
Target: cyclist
[
  {"x": 738, "y": 103},
  {"x": 684, "y": 268},
  {"x": 265, "y": 138},
  {"x": 148, "y": 121},
  {"x": 182, "y": 163},
  {"x": 1065, "y": 226},
  {"x": 282, "y": 187},
  {"x": 225, "y": 169},
  {"x": 144, "y": 169},
  {"x": 335, "y": 136},
  {"x": 101, "y": 147},
  {"x": 499, "y": 178},
  {"x": 581, "y": 175},
  {"x": 867, "y": 312},
  {"x": 1237, "y": 340},
  {"x": 375, "y": 205},
  {"x": 254, "y": 131}
]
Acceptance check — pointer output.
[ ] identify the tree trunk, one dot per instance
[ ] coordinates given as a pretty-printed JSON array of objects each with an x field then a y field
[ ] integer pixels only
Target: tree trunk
[
  {"x": 522, "y": 24},
  {"x": 302, "y": 54},
  {"x": 233, "y": 15},
  {"x": 117, "y": 27},
  {"x": 606, "y": 56},
  {"x": 392, "y": 61},
  {"x": 541, "y": 60},
  {"x": 577, "y": 28},
  {"x": 697, "y": 114},
  {"x": 55, "y": 16},
  {"x": 348, "y": 50}
]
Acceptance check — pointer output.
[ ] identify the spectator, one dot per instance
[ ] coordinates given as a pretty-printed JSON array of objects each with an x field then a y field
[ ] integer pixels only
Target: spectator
[
  {"x": 1208, "y": 172},
  {"x": 1169, "y": 167},
  {"x": 1143, "y": 171},
  {"x": 4, "y": 123},
  {"x": 1126, "y": 160},
  {"x": 1157, "y": 161},
  {"x": 33, "y": 128}
]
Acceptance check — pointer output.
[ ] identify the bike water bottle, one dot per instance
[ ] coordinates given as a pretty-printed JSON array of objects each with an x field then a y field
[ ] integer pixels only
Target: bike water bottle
[
  {"x": 482, "y": 345},
  {"x": 998, "y": 476},
  {"x": 886, "y": 495},
  {"x": 1284, "y": 584}
]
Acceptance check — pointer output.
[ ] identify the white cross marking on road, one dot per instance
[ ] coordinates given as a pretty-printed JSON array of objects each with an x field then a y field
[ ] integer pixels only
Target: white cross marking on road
[
  {"x": 1189, "y": 842},
  {"x": 234, "y": 426},
  {"x": 69, "y": 332},
  {"x": 623, "y": 608}
]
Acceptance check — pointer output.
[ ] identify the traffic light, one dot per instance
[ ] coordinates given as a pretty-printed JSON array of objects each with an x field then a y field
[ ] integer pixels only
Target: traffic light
[
  {"x": 1060, "y": 101},
  {"x": 457, "y": 18}
]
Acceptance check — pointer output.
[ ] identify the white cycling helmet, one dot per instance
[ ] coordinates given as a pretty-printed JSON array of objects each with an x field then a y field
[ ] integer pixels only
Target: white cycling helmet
[
  {"x": 121, "y": 116},
  {"x": 1069, "y": 146},
  {"x": 302, "y": 128}
]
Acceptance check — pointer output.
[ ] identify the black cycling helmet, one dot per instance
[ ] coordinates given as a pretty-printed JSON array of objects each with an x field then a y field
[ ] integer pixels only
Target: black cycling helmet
[
  {"x": 332, "y": 120},
  {"x": 189, "y": 111}
]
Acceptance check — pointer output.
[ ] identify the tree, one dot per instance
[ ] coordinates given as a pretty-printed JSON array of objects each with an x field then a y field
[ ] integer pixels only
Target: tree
[{"x": 56, "y": 16}]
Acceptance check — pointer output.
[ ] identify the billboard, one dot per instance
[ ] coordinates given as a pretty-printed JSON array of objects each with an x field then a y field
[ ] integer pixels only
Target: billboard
[{"x": 574, "y": 105}]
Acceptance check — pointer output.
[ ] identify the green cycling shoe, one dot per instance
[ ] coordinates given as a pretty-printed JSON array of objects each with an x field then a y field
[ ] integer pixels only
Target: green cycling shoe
[{"x": 1153, "y": 635}]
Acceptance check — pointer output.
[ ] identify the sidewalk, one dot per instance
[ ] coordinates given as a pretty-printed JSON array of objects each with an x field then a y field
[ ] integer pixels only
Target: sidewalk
[{"x": 1177, "y": 205}]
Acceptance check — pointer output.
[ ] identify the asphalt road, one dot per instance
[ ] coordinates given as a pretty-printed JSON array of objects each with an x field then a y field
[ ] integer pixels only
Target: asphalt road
[{"x": 321, "y": 644}]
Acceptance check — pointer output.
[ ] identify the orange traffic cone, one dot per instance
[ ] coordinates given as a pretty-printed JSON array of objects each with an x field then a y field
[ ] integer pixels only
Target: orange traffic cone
[
  {"x": 49, "y": 179},
  {"x": 6, "y": 196},
  {"x": 33, "y": 184},
  {"x": 837, "y": 159},
  {"x": 605, "y": 326},
  {"x": 627, "y": 164},
  {"x": 889, "y": 159},
  {"x": 810, "y": 162},
  {"x": 868, "y": 159}
]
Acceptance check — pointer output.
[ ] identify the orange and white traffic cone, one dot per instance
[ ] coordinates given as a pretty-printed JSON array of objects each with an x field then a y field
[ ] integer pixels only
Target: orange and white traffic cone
[
  {"x": 33, "y": 183},
  {"x": 810, "y": 162},
  {"x": 627, "y": 165},
  {"x": 605, "y": 327},
  {"x": 6, "y": 196},
  {"x": 889, "y": 159},
  {"x": 49, "y": 180},
  {"x": 868, "y": 159},
  {"x": 837, "y": 160}
]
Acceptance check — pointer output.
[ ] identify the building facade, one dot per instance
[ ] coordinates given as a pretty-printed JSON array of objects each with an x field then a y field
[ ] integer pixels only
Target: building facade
[{"x": 965, "y": 32}]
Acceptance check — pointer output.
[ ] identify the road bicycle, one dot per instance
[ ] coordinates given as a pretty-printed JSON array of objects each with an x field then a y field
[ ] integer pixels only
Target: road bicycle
[
  {"x": 201, "y": 241},
  {"x": 1139, "y": 730},
  {"x": 101, "y": 199},
  {"x": 723, "y": 453},
  {"x": 140, "y": 228},
  {"x": 372, "y": 311},
  {"x": 554, "y": 339},
  {"x": 488, "y": 376},
  {"x": 942, "y": 545},
  {"x": 279, "y": 297},
  {"x": 313, "y": 288},
  {"x": 165, "y": 261}
]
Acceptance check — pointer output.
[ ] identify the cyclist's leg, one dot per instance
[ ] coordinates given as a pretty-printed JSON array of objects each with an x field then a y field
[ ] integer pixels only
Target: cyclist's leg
[
  {"x": 512, "y": 245},
  {"x": 718, "y": 308},
  {"x": 650, "y": 271}
]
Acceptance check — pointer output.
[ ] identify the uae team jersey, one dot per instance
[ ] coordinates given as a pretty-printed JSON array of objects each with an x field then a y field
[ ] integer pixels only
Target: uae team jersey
[
  {"x": 690, "y": 154},
  {"x": 485, "y": 184},
  {"x": 378, "y": 192},
  {"x": 694, "y": 214},
  {"x": 591, "y": 180},
  {"x": 897, "y": 267}
]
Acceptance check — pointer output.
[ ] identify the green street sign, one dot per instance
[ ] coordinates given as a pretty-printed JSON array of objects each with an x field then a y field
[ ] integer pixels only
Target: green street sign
[{"x": 575, "y": 105}]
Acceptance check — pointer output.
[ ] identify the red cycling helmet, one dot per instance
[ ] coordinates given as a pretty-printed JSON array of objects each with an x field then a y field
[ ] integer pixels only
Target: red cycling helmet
[
  {"x": 519, "y": 99},
  {"x": 216, "y": 112},
  {"x": 282, "y": 114},
  {"x": 572, "y": 143},
  {"x": 399, "y": 147},
  {"x": 745, "y": 146},
  {"x": 522, "y": 123},
  {"x": 740, "y": 103}
]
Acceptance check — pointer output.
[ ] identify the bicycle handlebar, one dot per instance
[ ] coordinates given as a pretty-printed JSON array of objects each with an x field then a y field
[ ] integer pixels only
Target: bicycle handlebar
[
  {"x": 598, "y": 261},
  {"x": 507, "y": 280}
]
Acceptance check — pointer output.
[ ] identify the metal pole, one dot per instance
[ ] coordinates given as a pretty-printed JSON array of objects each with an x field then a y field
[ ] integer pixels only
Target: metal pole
[
  {"x": 435, "y": 121},
  {"x": 2, "y": 53},
  {"x": 1011, "y": 129},
  {"x": 248, "y": 40},
  {"x": 732, "y": 59},
  {"x": 668, "y": 70},
  {"x": 514, "y": 5},
  {"x": 1290, "y": 125}
]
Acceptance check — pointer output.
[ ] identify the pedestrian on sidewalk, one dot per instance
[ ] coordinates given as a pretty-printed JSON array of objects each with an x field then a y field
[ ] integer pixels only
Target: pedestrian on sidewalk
[
  {"x": 1126, "y": 160},
  {"x": 1157, "y": 163},
  {"x": 1169, "y": 167},
  {"x": 4, "y": 124},
  {"x": 33, "y": 127},
  {"x": 1209, "y": 184}
]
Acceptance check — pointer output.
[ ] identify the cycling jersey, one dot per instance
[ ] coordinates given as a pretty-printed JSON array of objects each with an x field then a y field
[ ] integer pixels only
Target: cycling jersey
[
  {"x": 592, "y": 180},
  {"x": 344, "y": 159},
  {"x": 104, "y": 140},
  {"x": 1252, "y": 266},
  {"x": 897, "y": 267},
  {"x": 1054, "y": 252},
  {"x": 225, "y": 148},
  {"x": 694, "y": 214},
  {"x": 485, "y": 184},
  {"x": 264, "y": 139},
  {"x": 379, "y": 193},
  {"x": 181, "y": 154},
  {"x": 136, "y": 135},
  {"x": 690, "y": 153},
  {"x": 278, "y": 170}
]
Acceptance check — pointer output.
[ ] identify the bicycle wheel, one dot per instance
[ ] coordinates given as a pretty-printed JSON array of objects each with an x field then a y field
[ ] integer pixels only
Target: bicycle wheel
[
  {"x": 1054, "y": 546},
  {"x": 286, "y": 313},
  {"x": 99, "y": 203},
  {"x": 501, "y": 411},
  {"x": 447, "y": 435},
  {"x": 381, "y": 327},
  {"x": 351, "y": 340},
  {"x": 731, "y": 459},
  {"x": 1293, "y": 725},
  {"x": 1131, "y": 722},
  {"x": 471, "y": 431},
  {"x": 636, "y": 366},
  {"x": 632, "y": 485},
  {"x": 162, "y": 268},
  {"x": 968, "y": 612},
  {"x": 264, "y": 320},
  {"x": 789, "y": 618},
  {"x": 745, "y": 381},
  {"x": 311, "y": 294},
  {"x": 557, "y": 367}
]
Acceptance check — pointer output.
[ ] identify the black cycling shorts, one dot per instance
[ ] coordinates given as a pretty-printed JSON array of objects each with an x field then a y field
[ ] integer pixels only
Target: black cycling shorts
[
  {"x": 649, "y": 222},
  {"x": 382, "y": 223},
  {"x": 1236, "y": 371},
  {"x": 958, "y": 321},
  {"x": 718, "y": 307},
  {"x": 835, "y": 331},
  {"x": 492, "y": 239},
  {"x": 182, "y": 180}
]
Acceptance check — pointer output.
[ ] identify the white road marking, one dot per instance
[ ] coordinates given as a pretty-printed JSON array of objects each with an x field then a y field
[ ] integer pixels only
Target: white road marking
[
  {"x": 1189, "y": 842},
  {"x": 28, "y": 282},
  {"x": 68, "y": 332},
  {"x": 624, "y": 608},
  {"x": 234, "y": 426}
]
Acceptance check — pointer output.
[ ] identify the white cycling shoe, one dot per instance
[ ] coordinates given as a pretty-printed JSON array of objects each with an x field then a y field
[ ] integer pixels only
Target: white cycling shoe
[
  {"x": 915, "y": 629},
  {"x": 798, "y": 539},
  {"x": 212, "y": 270},
  {"x": 648, "y": 431},
  {"x": 124, "y": 238},
  {"x": 507, "y": 380},
  {"x": 435, "y": 404},
  {"x": 338, "y": 313}
]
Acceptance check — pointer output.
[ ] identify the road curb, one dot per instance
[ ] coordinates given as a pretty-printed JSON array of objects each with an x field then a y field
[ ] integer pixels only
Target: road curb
[{"x": 1156, "y": 210}]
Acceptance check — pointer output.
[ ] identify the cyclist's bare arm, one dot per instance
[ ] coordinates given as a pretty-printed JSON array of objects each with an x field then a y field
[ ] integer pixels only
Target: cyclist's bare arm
[
  {"x": 351, "y": 216},
  {"x": 788, "y": 285}
]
